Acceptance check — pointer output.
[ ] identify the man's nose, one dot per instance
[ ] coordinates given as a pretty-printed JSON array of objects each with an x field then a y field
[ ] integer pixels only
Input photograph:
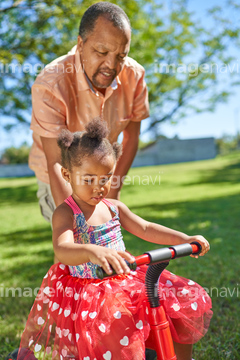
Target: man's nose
[{"x": 111, "y": 61}]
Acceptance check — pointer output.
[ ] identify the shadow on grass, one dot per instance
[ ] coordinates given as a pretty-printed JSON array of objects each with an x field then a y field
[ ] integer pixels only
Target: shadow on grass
[
  {"x": 216, "y": 219},
  {"x": 19, "y": 194},
  {"x": 229, "y": 174},
  {"x": 26, "y": 245}
]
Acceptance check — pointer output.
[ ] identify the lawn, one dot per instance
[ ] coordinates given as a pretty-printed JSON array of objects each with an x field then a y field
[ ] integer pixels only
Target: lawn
[{"x": 197, "y": 198}]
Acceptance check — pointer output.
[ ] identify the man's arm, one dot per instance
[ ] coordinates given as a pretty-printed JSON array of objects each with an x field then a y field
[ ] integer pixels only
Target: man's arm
[
  {"x": 130, "y": 146},
  {"x": 53, "y": 155}
]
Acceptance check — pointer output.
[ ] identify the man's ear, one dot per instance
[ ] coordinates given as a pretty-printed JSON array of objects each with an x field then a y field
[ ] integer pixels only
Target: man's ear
[
  {"x": 80, "y": 44},
  {"x": 65, "y": 174}
]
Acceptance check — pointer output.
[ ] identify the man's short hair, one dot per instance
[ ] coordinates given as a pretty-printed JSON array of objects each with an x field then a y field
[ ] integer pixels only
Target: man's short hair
[{"x": 109, "y": 11}]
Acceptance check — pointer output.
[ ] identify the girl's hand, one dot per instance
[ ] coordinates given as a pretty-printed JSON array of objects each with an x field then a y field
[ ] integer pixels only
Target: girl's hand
[
  {"x": 203, "y": 242},
  {"x": 107, "y": 258}
]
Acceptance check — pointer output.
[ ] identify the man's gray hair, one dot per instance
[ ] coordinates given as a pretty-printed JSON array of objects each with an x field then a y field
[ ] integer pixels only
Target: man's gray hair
[{"x": 109, "y": 11}]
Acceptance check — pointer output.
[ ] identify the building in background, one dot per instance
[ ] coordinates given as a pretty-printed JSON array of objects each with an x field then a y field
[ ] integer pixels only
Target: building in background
[{"x": 169, "y": 151}]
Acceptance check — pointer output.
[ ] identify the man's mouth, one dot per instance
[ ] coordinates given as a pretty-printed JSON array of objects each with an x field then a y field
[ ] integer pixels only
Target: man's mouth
[{"x": 108, "y": 74}]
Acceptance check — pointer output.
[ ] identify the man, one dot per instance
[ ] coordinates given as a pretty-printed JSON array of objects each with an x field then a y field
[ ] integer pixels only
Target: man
[{"x": 95, "y": 79}]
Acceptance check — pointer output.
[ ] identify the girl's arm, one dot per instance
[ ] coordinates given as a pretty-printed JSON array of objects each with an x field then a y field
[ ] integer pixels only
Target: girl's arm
[
  {"x": 155, "y": 233},
  {"x": 71, "y": 253}
]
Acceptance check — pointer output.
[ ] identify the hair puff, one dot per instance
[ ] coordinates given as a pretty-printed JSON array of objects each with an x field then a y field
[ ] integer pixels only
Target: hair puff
[
  {"x": 117, "y": 148},
  {"x": 65, "y": 139},
  {"x": 97, "y": 129}
]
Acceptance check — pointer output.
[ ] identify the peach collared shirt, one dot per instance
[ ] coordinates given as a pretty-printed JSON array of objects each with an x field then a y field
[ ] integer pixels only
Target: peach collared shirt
[{"x": 62, "y": 97}]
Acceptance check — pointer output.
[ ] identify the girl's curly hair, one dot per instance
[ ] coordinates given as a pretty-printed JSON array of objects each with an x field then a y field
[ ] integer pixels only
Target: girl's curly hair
[{"x": 91, "y": 142}]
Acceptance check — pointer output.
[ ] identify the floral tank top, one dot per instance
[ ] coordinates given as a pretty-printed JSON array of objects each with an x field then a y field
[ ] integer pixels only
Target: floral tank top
[{"x": 107, "y": 234}]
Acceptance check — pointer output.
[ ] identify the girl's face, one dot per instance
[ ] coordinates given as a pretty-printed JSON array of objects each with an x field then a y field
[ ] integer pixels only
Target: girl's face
[{"x": 91, "y": 181}]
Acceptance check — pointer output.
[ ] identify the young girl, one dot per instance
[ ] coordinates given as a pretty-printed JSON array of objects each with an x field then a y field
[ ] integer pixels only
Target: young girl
[{"x": 77, "y": 316}]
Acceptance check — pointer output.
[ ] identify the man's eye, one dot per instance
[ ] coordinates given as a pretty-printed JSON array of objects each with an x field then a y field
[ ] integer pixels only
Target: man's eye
[{"x": 102, "y": 53}]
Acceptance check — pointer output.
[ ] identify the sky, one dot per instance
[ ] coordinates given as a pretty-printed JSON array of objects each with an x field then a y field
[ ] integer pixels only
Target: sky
[
  {"x": 226, "y": 117},
  {"x": 224, "y": 121}
]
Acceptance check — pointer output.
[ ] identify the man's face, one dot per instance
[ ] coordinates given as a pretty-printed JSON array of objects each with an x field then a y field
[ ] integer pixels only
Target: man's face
[{"x": 103, "y": 53}]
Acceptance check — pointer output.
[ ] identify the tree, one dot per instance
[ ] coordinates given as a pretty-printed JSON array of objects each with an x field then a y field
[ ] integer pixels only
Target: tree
[
  {"x": 15, "y": 155},
  {"x": 179, "y": 55}
]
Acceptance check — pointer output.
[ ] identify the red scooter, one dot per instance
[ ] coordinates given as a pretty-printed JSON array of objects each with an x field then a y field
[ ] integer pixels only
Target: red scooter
[{"x": 160, "y": 338}]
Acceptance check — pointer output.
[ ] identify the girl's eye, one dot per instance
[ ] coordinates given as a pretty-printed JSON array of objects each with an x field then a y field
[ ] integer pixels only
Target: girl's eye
[
  {"x": 103, "y": 181},
  {"x": 88, "y": 181}
]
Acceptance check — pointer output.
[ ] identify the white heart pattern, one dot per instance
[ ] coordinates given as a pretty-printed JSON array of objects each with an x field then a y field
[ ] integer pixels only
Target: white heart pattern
[
  {"x": 84, "y": 314},
  {"x": 39, "y": 307},
  {"x": 55, "y": 306},
  {"x": 117, "y": 315},
  {"x": 46, "y": 290},
  {"x": 92, "y": 315},
  {"x": 69, "y": 337},
  {"x": 64, "y": 352},
  {"x": 139, "y": 325},
  {"x": 54, "y": 353},
  {"x": 86, "y": 358},
  {"x": 74, "y": 316},
  {"x": 169, "y": 283},
  {"x": 62, "y": 266},
  {"x": 124, "y": 341},
  {"x": 191, "y": 282},
  {"x": 65, "y": 332},
  {"x": 176, "y": 307},
  {"x": 37, "y": 347},
  {"x": 67, "y": 313},
  {"x": 30, "y": 342},
  {"x": 76, "y": 296},
  {"x": 40, "y": 321},
  {"x": 48, "y": 350},
  {"x": 102, "y": 328},
  {"x": 194, "y": 306},
  {"x": 107, "y": 355},
  {"x": 77, "y": 337},
  {"x": 204, "y": 299},
  {"x": 185, "y": 291}
]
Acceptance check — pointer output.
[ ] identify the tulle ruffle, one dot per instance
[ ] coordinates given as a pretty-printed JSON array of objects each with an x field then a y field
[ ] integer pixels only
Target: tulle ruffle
[{"x": 89, "y": 319}]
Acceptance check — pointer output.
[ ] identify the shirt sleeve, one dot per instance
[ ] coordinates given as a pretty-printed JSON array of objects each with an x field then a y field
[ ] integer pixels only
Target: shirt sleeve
[
  {"x": 140, "y": 104},
  {"x": 48, "y": 112}
]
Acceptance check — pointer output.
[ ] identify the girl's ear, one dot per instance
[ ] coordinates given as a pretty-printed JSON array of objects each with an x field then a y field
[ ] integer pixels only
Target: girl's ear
[{"x": 65, "y": 174}]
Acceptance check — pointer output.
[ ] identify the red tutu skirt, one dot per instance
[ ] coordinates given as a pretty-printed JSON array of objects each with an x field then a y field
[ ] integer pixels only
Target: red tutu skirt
[{"x": 89, "y": 319}]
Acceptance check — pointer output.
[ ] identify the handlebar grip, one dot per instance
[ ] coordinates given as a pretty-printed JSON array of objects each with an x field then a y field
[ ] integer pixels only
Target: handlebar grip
[
  {"x": 199, "y": 246},
  {"x": 101, "y": 274}
]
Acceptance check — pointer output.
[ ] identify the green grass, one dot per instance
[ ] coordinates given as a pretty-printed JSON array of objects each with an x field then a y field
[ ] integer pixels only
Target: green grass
[{"x": 197, "y": 198}]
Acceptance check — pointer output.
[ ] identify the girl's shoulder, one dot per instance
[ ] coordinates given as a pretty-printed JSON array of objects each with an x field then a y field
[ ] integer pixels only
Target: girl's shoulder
[
  {"x": 118, "y": 204},
  {"x": 62, "y": 212}
]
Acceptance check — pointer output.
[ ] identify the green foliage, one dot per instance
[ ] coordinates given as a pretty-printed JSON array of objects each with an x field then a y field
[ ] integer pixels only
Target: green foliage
[
  {"x": 14, "y": 155},
  {"x": 227, "y": 144},
  {"x": 179, "y": 55},
  {"x": 198, "y": 197}
]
